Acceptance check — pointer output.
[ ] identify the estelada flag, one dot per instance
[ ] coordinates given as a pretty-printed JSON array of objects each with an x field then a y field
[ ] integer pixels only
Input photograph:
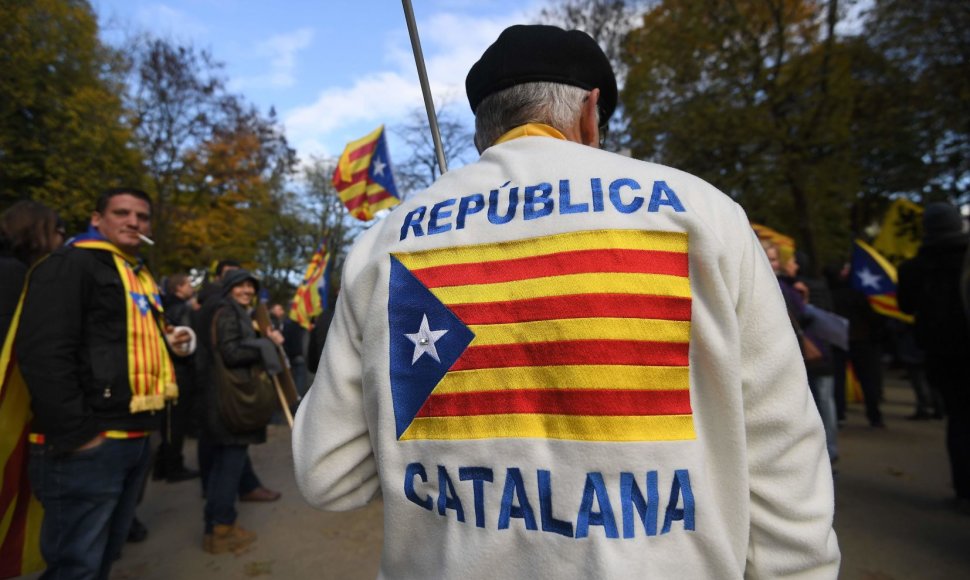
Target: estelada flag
[
  {"x": 874, "y": 276},
  {"x": 363, "y": 177},
  {"x": 311, "y": 295},
  {"x": 20, "y": 512},
  {"x": 581, "y": 336}
]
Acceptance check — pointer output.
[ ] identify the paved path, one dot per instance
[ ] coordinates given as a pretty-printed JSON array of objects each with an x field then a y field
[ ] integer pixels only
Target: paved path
[{"x": 892, "y": 516}]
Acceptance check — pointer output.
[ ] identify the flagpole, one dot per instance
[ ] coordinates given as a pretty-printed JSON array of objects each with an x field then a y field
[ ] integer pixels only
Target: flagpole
[{"x": 425, "y": 88}]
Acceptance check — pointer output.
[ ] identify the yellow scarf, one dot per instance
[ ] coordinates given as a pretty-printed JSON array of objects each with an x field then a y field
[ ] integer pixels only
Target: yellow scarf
[
  {"x": 151, "y": 375},
  {"x": 531, "y": 130}
]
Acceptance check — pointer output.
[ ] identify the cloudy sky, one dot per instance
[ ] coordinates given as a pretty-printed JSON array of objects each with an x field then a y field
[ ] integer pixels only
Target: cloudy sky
[{"x": 333, "y": 69}]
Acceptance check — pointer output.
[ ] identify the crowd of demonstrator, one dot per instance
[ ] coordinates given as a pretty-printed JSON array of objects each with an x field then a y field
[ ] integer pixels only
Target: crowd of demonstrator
[
  {"x": 113, "y": 362},
  {"x": 933, "y": 287}
]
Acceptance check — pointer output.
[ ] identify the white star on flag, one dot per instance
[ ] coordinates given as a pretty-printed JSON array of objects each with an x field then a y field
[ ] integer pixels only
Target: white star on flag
[
  {"x": 424, "y": 340},
  {"x": 379, "y": 166},
  {"x": 869, "y": 278},
  {"x": 142, "y": 304}
]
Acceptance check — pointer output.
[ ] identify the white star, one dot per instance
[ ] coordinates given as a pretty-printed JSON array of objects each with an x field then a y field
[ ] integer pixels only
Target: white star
[
  {"x": 379, "y": 166},
  {"x": 142, "y": 304},
  {"x": 869, "y": 278},
  {"x": 424, "y": 340}
]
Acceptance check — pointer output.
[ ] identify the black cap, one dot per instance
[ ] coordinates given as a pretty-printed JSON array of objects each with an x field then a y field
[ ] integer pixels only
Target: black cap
[
  {"x": 235, "y": 278},
  {"x": 542, "y": 53}
]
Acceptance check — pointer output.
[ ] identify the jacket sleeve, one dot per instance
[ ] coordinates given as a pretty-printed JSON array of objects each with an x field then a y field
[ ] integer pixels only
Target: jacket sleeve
[
  {"x": 49, "y": 338},
  {"x": 332, "y": 452},
  {"x": 790, "y": 478},
  {"x": 229, "y": 337}
]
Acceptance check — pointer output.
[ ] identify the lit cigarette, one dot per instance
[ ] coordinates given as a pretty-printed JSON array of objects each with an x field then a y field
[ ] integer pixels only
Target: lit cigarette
[{"x": 146, "y": 239}]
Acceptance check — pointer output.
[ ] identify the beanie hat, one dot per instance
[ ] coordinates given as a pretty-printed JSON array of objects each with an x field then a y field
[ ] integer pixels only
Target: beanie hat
[
  {"x": 235, "y": 278},
  {"x": 941, "y": 221}
]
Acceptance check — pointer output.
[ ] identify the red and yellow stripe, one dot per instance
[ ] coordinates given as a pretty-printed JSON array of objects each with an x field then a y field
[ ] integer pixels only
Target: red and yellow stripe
[
  {"x": 582, "y": 335},
  {"x": 20, "y": 512},
  {"x": 151, "y": 375}
]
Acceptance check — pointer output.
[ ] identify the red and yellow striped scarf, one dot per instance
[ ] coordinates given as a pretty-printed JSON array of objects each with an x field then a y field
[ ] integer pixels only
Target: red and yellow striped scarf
[{"x": 151, "y": 375}]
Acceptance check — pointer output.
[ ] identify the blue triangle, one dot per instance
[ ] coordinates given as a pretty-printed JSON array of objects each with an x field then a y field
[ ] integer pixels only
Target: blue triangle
[{"x": 409, "y": 301}]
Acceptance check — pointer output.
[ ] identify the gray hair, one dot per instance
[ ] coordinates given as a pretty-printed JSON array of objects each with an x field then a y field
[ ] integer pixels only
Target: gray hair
[{"x": 554, "y": 104}]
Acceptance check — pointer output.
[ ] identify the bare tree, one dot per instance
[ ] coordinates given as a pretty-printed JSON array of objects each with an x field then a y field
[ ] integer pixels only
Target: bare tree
[{"x": 419, "y": 168}]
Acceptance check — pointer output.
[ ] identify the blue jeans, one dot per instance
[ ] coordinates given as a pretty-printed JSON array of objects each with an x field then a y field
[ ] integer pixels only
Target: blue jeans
[
  {"x": 89, "y": 501},
  {"x": 230, "y": 467},
  {"x": 823, "y": 391},
  {"x": 206, "y": 450}
]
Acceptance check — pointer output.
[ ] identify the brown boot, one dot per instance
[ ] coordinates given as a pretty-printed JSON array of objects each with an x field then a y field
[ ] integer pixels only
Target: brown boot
[{"x": 227, "y": 538}]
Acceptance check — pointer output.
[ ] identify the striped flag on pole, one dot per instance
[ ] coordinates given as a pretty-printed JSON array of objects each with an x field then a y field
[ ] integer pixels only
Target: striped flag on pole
[
  {"x": 311, "y": 295},
  {"x": 363, "y": 176},
  {"x": 581, "y": 336}
]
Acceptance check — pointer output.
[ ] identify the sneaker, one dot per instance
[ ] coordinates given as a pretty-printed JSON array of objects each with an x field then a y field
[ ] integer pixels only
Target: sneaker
[{"x": 227, "y": 538}]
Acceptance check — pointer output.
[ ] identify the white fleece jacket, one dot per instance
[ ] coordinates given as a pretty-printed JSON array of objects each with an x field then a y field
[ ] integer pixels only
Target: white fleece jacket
[{"x": 618, "y": 396}]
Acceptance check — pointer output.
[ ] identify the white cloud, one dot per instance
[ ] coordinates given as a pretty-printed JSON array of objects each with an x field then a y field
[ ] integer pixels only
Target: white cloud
[
  {"x": 451, "y": 44},
  {"x": 376, "y": 97},
  {"x": 281, "y": 51},
  {"x": 171, "y": 22}
]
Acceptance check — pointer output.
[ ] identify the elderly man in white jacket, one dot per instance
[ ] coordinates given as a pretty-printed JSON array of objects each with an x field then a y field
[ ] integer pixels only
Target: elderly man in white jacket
[{"x": 559, "y": 361}]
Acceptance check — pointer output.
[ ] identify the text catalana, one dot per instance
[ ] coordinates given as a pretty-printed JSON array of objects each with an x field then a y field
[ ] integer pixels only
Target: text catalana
[{"x": 630, "y": 509}]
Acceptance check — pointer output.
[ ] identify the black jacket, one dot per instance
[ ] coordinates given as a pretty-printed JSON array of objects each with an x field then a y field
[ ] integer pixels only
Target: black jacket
[
  {"x": 231, "y": 325},
  {"x": 71, "y": 346},
  {"x": 929, "y": 288}
]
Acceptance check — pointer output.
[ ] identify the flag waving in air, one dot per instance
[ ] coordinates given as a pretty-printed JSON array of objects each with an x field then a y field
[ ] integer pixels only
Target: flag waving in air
[
  {"x": 581, "y": 336},
  {"x": 363, "y": 177},
  {"x": 311, "y": 295},
  {"x": 874, "y": 276}
]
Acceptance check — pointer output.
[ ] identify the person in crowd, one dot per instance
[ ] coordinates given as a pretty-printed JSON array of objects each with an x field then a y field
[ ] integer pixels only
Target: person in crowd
[
  {"x": 233, "y": 340},
  {"x": 558, "y": 354},
  {"x": 29, "y": 230},
  {"x": 93, "y": 355},
  {"x": 294, "y": 346},
  {"x": 209, "y": 298},
  {"x": 169, "y": 461},
  {"x": 929, "y": 402},
  {"x": 929, "y": 289},
  {"x": 867, "y": 331},
  {"x": 321, "y": 326},
  {"x": 816, "y": 352}
]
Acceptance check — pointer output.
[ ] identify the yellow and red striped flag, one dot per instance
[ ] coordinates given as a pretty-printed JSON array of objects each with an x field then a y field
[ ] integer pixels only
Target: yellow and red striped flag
[
  {"x": 311, "y": 295},
  {"x": 363, "y": 177},
  {"x": 581, "y": 336},
  {"x": 20, "y": 512}
]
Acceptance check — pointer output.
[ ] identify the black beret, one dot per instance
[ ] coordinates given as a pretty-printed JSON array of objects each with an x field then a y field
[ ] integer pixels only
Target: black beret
[{"x": 542, "y": 53}]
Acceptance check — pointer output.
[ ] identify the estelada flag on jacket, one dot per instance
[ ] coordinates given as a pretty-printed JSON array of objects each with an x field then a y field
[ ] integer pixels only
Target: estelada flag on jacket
[
  {"x": 581, "y": 336},
  {"x": 20, "y": 512},
  {"x": 363, "y": 176},
  {"x": 874, "y": 276},
  {"x": 311, "y": 295}
]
